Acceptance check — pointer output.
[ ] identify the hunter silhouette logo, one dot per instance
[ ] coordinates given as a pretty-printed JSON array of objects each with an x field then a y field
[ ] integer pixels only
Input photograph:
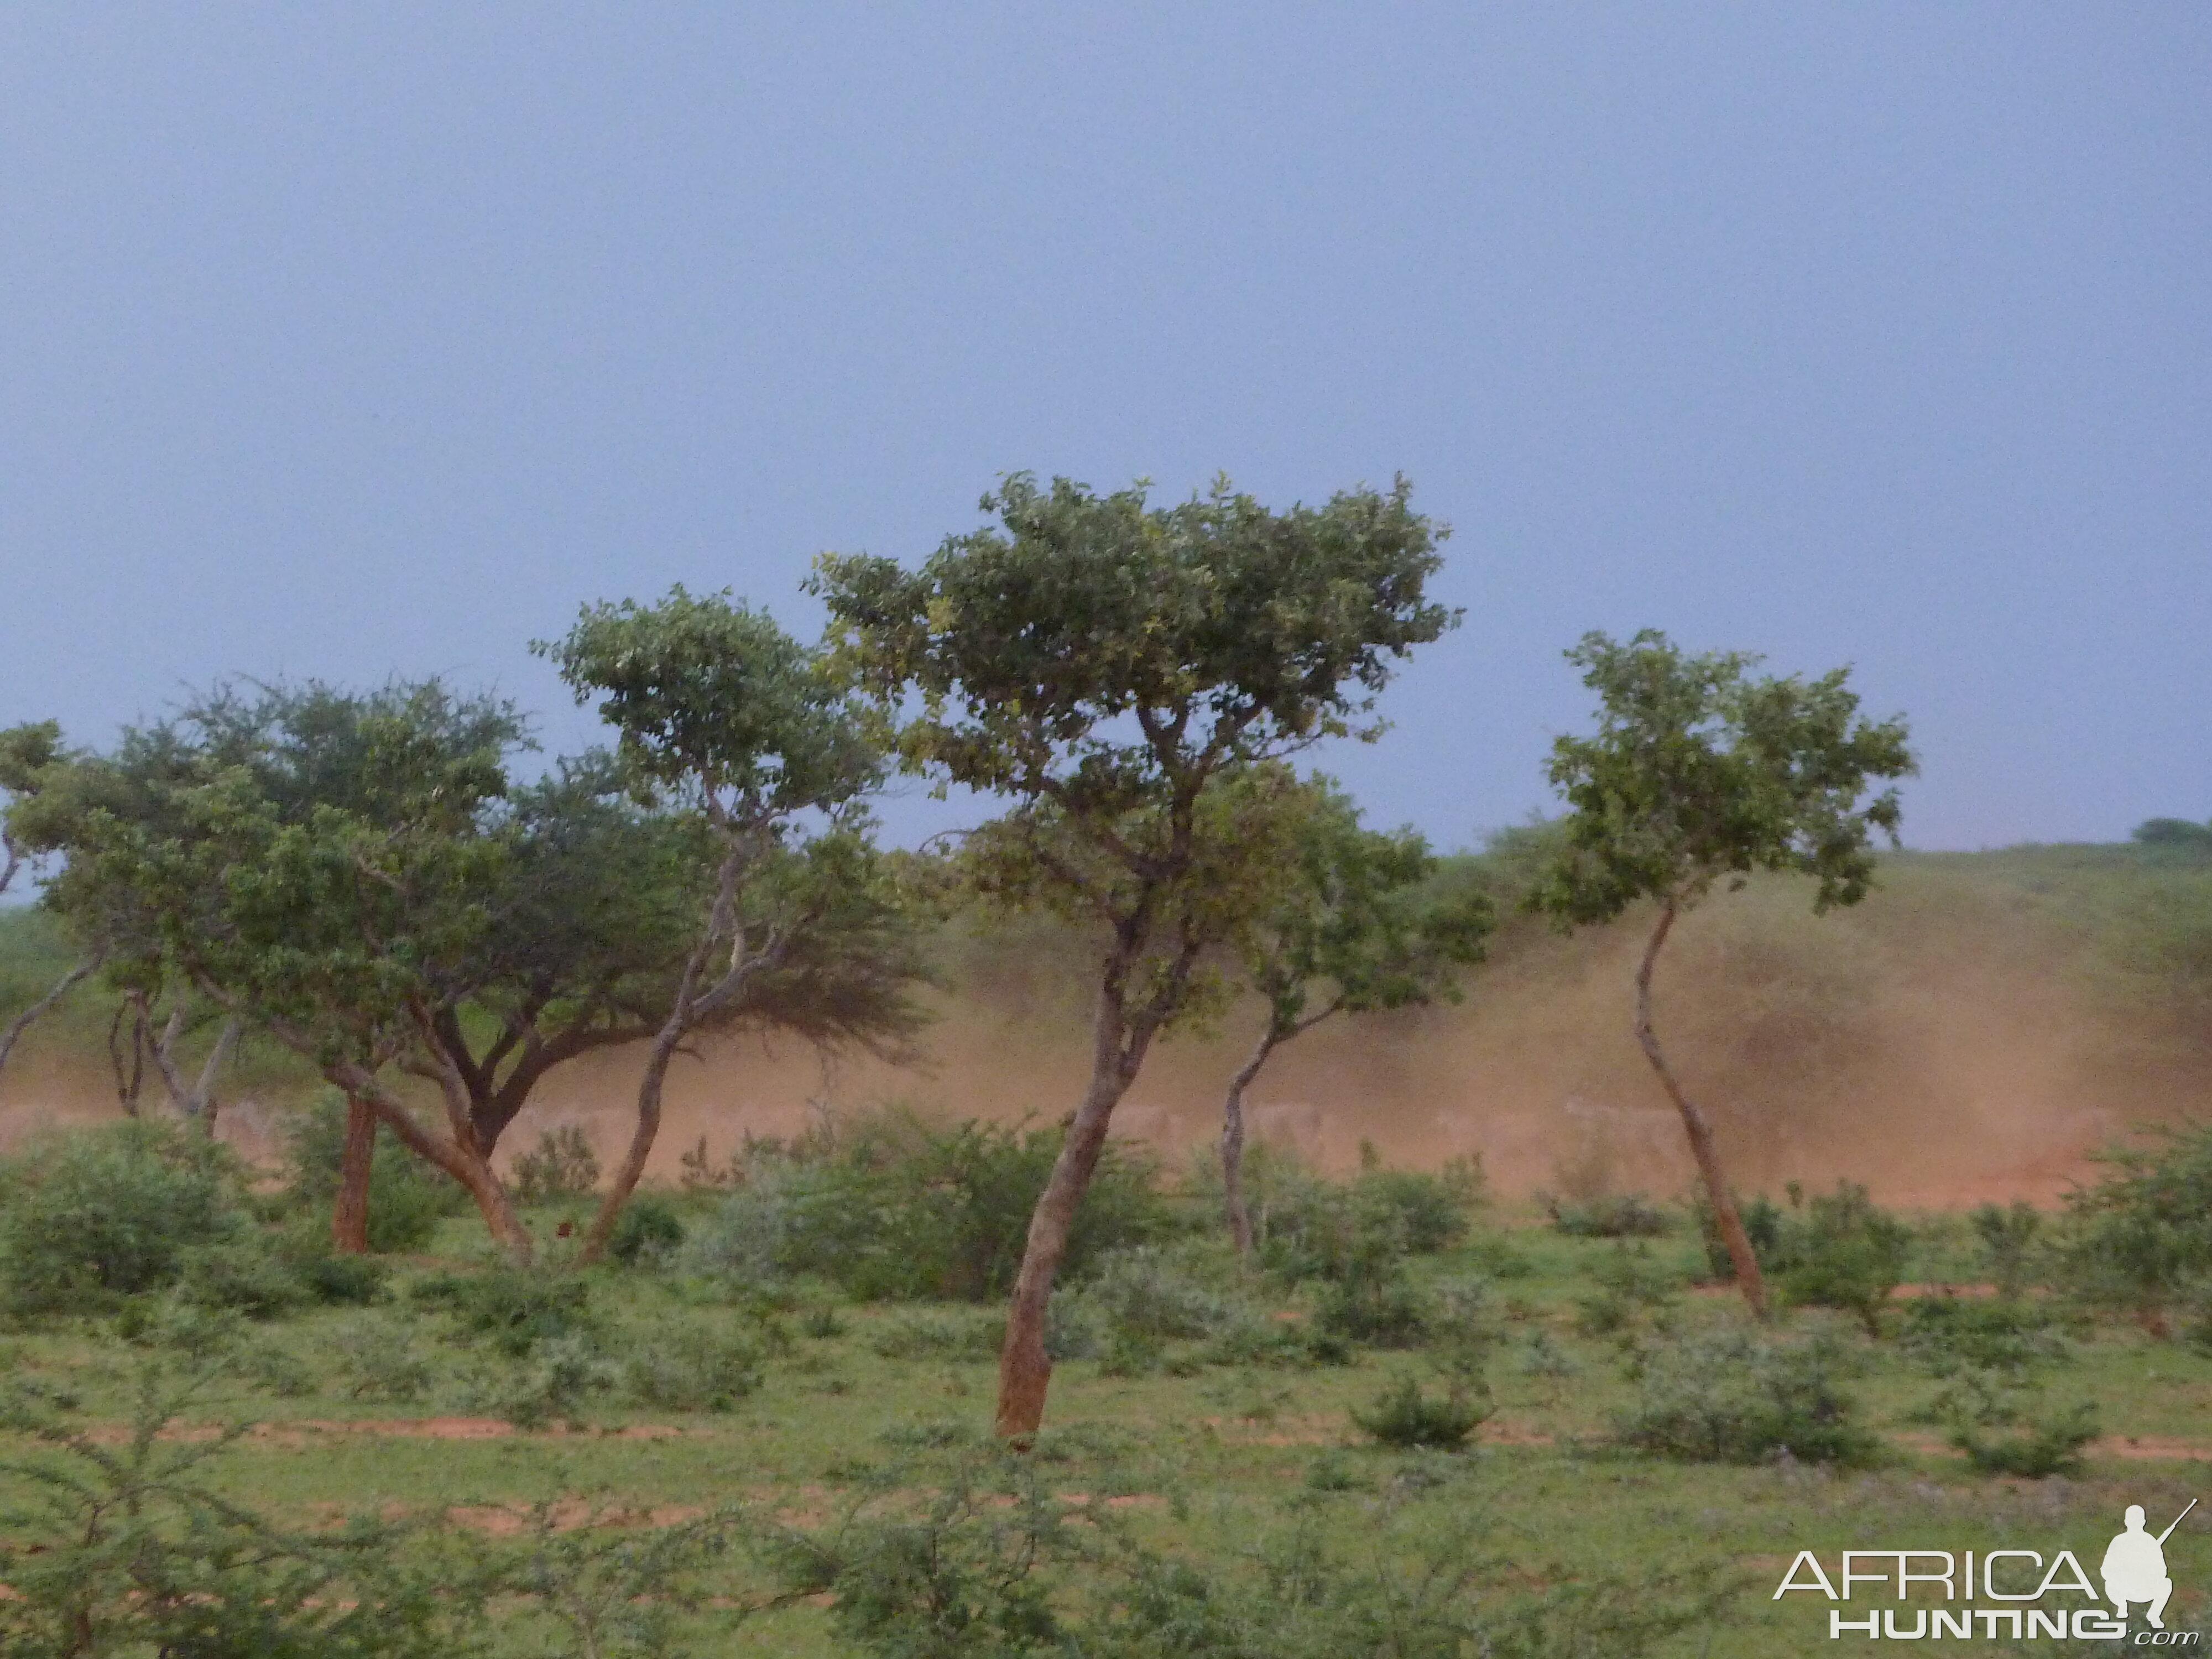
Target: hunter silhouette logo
[
  {"x": 2135, "y": 1567},
  {"x": 2000, "y": 1592}
]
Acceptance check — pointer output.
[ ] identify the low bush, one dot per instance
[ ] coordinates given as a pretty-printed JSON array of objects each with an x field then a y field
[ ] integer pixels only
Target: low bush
[
  {"x": 649, "y": 1229},
  {"x": 515, "y": 1307},
  {"x": 551, "y": 1382},
  {"x": 1339, "y": 1232},
  {"x": 1405, "y": 1416},
  {"x": 939, "y": 1336},
  {"x": 1945, "y": 1334},
  {"x": 2037, "y": 1448},
  {"x": 1762, "y": 1225},
  {"x": 378, "y": 1359},
  {"x": 246, "y": 1274},
  {"x": 1728, "y": 1396},
  {"x": 563, "y": 1165},
  {"x": 2010, "y": 1238},
  {"x": 1630, "y": 1215},
  {"x": 341, "y": 1280},
  {"x": 1843, "y": 1251},
  {"x": 1633, "y": 1283},
  {"x": 692, "y": 1369},
  {"x": 888, "y": 1208},
  {"x": 128, "y": 1549},
  {"x": 2141, "y": 1238},
  {"x": 1381, "y": 1309},
  {"x": 94, "y": 1215}
]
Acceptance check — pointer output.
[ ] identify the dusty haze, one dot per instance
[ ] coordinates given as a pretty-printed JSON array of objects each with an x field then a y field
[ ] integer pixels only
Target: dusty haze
[{"x": 1941, "y": 1042}]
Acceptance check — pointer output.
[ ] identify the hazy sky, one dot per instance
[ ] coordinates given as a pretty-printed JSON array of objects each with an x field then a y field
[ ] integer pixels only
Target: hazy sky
[{"x": 354, "y": 341}]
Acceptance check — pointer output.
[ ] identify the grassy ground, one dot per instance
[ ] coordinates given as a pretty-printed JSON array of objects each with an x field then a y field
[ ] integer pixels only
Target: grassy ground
[{"x": 1204, "y": 1461}]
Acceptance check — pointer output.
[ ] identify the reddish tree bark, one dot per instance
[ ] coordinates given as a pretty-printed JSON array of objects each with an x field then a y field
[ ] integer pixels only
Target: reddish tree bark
[{"x": 1744, "y": 1261}]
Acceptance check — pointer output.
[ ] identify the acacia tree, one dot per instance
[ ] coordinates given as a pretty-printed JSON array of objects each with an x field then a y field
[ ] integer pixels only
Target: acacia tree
[
  {"x": 727, "y": 726},
  {"x": 1700, "y": 772},
  {"x": 1132, "y": 677},
  {"x": 312, "y": 863},
  {"x": 1360, "y": 923}
]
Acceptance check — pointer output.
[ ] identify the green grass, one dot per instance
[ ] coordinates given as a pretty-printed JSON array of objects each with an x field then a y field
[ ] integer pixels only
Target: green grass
[{"x": 1218, "y": 1457}]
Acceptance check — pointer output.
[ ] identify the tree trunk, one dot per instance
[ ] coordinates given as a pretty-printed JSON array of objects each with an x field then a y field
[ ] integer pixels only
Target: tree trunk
[
  {"x": 350, "y": 1215},
  {"x": 1741, "y": 1255},
  {"x": 466, "y": 1166},
  {"x": 632, "y": 1168},
  {"x": 1024, "y": 1367},
  {"x": 1232, "y": 1141}
]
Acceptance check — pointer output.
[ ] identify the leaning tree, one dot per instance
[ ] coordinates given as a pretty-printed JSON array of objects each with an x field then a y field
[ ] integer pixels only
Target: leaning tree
[
  {"x": 1700, "y": 772},
  {"x": 758, "y": 766},
  {"x": 1132, "y": 677},
  {"x": 1360, "y": 921}
]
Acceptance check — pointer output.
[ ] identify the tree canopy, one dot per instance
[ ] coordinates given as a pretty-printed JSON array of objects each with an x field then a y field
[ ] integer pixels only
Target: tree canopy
[
  {"x": 1698, "y": 772},
  {"x": 1133, "y": 677}
]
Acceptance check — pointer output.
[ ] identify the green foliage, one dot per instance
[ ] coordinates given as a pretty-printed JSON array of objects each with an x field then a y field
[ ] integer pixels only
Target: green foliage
[
  {"x": 2140, "y": 1237},
  {"x": 2010, "y": 1238},
  {"x": 1631, "y": 1282},
  {"x": 938, "y": 1336},
  {"x": 341, "y": 1280},
  {"x": 2036, "y": 1449},
  {"x": 1727, "y": 1395},
  {"x": 95, "y": 1214},
  {"x": 134, "y": 1548},
  {"x": 1314, "y": 1229},
  {"x": 613, "y": 1590},
  {"x": 1630, "y": 1215},
  {"x": 1364, "y": 921},
  {"x": 1845, "y": 1252},
  {"x": 515, "y": 1307},
  {"x": 1946, "y": 1334},
  {"x": 650, "y": 1229},
  {"x": 1763, "y": 1220},
  {"x": 1700, "y": 771},
  {"x": 885, "y": 1207},
  {"x": 378, "y": 1359},
  {"x": 1404, "y": 1416},
  {"x": 688, "y": 1368},
  {"x": 407, "y": 1198},
  {"x": 561, "y": 1165}
]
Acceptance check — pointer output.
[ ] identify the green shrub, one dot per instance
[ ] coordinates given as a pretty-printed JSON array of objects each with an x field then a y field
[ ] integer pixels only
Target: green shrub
[
  {"x": 2035, "y": 1449},
  {"x": 1328, "y": 1230},
  {"x": 1631, "y": 1282},
  {"x": 515, "y": 1307},
  {"x": 888, "y": 1208},
  {"x": 341, "y": 1280},
  {"x": 561, "y": 1165},
  {"x": 1631, "y": 1215},
  {"x": 691, "y": 1369},
  {"x": 939, "y": 1336},
  {"x": 1762, "y": 1226},
  {"x": 2008, "y": 1240},
  {"x": 1726, "y": 1395},
  {"x": 407, "y": 1198},
  {"x": 1404, "y": 1416},
  {"x": 1844, "y": 1252},
  {"x": 247, "y": 1275},
  {"x": 96, "y": 1214},
  {"x": 378, "y": 1361},
  {"x": 555, "y": 1377},
  {"x": 126, "y": 1549},
  {"x": 1945, "y": 1334},
  {"x": 649, "y": 1229},
  {"x": 2141, "y": 1238},
  {"x": 1381, "y": 1309}
]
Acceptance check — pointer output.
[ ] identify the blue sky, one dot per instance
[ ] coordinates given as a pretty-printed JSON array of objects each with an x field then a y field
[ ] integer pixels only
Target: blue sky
[{"x": 362, "y": 341}]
